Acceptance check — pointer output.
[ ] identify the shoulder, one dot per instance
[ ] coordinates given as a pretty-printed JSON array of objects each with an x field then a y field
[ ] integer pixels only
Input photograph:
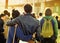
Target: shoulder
[
  {"x": 42, "y": 19},
  {"x": 54, "y": 20},
  {"x": 19, "y": 17}
]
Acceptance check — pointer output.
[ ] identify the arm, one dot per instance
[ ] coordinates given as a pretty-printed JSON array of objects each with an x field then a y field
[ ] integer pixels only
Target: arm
[
  {"x": 1, "y": 25},
  {"x": 56, "y": 27},
  {"x": 12, "y": 22},
  {"x": 39, "y": 30}
]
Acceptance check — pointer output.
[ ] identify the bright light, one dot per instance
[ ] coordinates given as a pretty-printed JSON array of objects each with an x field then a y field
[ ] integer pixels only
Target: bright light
[
  {"x": 2, "y": 5},
  {"x": 55, "y": 14},
  {"x": 2, "y": 2},
  {"x": 42, "y": 7},
  {"x": 48, "y": 0},
  {"x": 1, "y": 9},
  {"x": 20, "y": 9},
  {"x": 12, "y": 2}
]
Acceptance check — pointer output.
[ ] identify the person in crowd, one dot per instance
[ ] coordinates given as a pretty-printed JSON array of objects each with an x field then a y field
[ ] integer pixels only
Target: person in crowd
[
  {"x": 2, "y": 38},
  {"x": 33, "y": 15},
  {"x": 27, "y": 25},
  {"x": 6, "y": 18},
  {"x": 44, "y": 37},
  {"x": 57, "y": 18},
  {"x": 58, "y": 22},
  {"x": 15, "y": 13},
  {"x": 6, "y": 13},
  {"x": 40, "y": 16}
]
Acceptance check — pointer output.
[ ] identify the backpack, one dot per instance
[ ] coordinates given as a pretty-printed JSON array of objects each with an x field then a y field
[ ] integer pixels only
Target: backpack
[{"x": 47, "y": 28}]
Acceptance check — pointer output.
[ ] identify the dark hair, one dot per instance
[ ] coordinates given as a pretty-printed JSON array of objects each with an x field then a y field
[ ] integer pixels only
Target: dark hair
[
  {"x": 56, "y": 17},
  {"x": 28, "y": 8},
  {"x": 40, "y": 14},
  {"x": 13, "y": 10},
  {"x": 8, "y": 14},
  {"x": 15, "y": 13},
  {"x": 48, "y": 12},
  {"x": 33, "y": 15},
  {"x": 5, "y": 11},
  {"x": 2, "y": 15}
]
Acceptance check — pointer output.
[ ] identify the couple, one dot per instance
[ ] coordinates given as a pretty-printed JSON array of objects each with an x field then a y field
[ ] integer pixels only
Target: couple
[{"x": 28, "y": 27}]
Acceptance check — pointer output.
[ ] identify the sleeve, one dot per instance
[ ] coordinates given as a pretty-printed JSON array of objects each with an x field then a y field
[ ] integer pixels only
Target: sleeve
[
  {"x": 12, "y": 22},
  {"x": 1, "y": 25},
  {"x": 56, "y": 27},
  {"x": 1, "y": 30},
  {"x": 38, "y": 35}
]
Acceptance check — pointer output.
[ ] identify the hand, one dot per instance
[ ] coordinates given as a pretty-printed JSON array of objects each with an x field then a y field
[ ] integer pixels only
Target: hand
[
  {"x": 16, "y": 25},
  {"x": 34, "y": 35}
]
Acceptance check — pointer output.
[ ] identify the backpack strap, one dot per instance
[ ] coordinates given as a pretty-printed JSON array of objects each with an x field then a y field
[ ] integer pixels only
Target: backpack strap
[{"x": 42, "y": 21}]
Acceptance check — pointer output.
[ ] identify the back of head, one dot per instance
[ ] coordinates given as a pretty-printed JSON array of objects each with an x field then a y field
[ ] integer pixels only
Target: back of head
[
  {"x": 15, "y": 13},
  {"x": 2, "y": 15},
  {"x": 40, "y": 14},
  {"x": 28, "y": 8},
  {"x": 5, "y": 11},
  {"x": 33, "y": 15},
  {"x": 13, "y": 10},
  {"x": 57, "y": 17},
  {"x": 48, "y": 12}
]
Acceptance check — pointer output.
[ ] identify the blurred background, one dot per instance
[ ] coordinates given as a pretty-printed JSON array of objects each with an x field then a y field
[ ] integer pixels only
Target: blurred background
[{"x": 38, "y": 5}]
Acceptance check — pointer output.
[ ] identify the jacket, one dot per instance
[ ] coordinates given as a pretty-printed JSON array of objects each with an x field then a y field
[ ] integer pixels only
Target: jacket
[
  {"x": 28, "y": 25},
  {"x": 27, "y": 22},
  {"x": 19, "y": 35}
]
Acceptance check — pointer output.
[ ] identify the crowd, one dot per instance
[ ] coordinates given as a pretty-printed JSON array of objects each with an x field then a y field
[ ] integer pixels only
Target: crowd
[{"x": 27, "y": 28}]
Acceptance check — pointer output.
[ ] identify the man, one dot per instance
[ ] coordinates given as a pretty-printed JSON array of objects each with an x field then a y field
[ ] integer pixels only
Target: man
[
  {"x": 26, "y": 23},
  {"x": 40, "y": 16},
  {"x": 6, "y": 18}
]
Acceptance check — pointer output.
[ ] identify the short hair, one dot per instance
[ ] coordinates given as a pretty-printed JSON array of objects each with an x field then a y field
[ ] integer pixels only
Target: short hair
[
  {"x": 33, "y": 15},
  {"x": 40, "y": 14},
  {"x": 2, "y": 15},
  {"x": 15, "y": 14},
  {"x": 28, "y": 8},
  {"x": 48, "y": 12},
  {"x": 56, "y": 17},
  {"x": 5, "y": 11}
]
